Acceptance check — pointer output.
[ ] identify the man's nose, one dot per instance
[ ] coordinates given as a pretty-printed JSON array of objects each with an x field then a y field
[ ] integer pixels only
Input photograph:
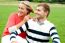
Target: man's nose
[
  {"x": 19, "y": 9},
  {"x": 35, "y": 12}
]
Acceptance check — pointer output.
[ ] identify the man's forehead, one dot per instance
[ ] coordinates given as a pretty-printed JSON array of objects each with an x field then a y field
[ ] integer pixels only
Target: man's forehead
[{"x": 39, "y": 7}]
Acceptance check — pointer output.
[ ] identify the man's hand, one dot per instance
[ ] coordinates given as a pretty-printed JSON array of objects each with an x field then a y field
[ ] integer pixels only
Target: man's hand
[
  {"x": 12, "y": 29},
  {"x": 13, "y": 42}
]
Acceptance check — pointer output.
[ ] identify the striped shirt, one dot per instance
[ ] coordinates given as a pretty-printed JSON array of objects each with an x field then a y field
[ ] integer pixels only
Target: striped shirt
[{"x": 39, "y": 32}]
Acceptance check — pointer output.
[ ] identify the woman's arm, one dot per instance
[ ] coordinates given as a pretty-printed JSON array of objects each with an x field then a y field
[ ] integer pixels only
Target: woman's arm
[
  {"x": 16, "y": 27},
  {"x": 10, "y": 22},
  {"x": 14, "y": 30},
  {"x": 26, "y": 18}
]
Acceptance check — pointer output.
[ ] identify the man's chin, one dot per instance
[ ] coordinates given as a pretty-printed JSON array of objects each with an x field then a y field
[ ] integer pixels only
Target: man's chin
[{"x": 36, "y": 16}]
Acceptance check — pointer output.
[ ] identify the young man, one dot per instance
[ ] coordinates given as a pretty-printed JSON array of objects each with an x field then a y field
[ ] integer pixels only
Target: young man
[
  {"x": 24, "y": 9},
  {"x": 39, "y": 29}
]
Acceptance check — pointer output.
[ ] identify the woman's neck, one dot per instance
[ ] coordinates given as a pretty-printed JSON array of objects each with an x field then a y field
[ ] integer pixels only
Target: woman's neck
[{"x": 22, "y": 16}]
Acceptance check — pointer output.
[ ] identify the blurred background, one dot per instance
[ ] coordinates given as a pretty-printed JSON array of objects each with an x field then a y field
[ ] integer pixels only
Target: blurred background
[
  {"x": 49, "y": 1},
  {"x": 57, "y": 14}
]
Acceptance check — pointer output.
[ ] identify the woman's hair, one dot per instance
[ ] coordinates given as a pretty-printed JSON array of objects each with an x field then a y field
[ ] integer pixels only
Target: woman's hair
[
  {"x": 46, "y": 7},
  {"x": 28, "y": 7}
]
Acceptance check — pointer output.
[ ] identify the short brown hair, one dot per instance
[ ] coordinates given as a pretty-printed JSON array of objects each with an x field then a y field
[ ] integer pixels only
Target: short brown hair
[{"x": 46, "y": 7}]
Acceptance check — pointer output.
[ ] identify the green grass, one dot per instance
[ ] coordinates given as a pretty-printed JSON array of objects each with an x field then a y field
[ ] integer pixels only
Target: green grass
[
  {"x": 5, "y": 11},
  {"x": 7, "y": 0},
  {"x": 57, "y": 16}
]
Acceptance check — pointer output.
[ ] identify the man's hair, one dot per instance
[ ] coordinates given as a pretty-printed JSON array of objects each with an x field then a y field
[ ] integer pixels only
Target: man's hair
[
  {"x": 46, "y": 7},
  {"x": 28, "y": 7}
]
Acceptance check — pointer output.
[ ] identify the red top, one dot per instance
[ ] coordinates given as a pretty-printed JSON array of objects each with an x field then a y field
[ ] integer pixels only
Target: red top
[{"x": 13, "y": 20}]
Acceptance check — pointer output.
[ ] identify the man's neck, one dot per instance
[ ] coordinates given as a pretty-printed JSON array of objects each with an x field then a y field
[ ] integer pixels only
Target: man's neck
[{"x": 41, "y": 20}]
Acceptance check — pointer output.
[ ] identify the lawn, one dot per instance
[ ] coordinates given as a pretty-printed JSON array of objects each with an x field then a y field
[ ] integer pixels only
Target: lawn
[{"x": 57, "y": 16}]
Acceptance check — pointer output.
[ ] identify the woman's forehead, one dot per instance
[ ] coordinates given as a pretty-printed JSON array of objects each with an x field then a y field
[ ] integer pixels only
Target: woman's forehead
[
  {"x": 25, "y": 2},
  {"x": 22, "y": 5}
]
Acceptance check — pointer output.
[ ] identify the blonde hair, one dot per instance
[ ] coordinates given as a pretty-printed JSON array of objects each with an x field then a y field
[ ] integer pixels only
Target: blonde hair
[{"x": 27, "y": 4}]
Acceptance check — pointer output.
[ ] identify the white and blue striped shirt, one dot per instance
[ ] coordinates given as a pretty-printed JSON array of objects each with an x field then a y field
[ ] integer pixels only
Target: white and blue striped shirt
[{"x": 39, "y": 32}]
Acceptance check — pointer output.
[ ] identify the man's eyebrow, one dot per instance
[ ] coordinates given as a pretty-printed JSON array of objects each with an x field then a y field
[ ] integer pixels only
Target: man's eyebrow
[{"x": 38, "y": 9}]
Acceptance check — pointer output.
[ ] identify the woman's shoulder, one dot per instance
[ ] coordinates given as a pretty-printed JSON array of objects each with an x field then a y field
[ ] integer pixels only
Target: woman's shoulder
[{"x": 13, "y": 14}]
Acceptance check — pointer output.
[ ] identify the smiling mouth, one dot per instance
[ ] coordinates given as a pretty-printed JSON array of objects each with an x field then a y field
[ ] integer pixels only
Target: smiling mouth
[
  {"x": 38, "y": 14},
  {"x": 20, "y": 12}
]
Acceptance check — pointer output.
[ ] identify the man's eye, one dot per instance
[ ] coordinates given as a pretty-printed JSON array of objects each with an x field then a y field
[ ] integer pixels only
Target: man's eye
[
  {"x": 38, "y": 10},
  {"x": 18, "y": 7}
]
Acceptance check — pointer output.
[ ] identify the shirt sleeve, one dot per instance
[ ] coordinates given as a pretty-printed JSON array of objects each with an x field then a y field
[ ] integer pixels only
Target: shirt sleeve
[
  {"x": 14, "y": 31},
  {"x": 24, "y": 27},
  {"x": 10, "y": 22},
  {"x": 21, "y": 29},
  {"x": 13, "y": 36},
  {"x": 54, "y": 35}
]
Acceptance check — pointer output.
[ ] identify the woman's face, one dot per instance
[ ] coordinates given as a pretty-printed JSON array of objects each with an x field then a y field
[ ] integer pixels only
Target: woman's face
[{"x": 22, "y": 9}]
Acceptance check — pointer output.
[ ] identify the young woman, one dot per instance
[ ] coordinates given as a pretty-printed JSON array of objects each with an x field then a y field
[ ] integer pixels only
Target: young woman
[
  {"x": 23, "y": 9},
  {"x": 39, "y": 30}
]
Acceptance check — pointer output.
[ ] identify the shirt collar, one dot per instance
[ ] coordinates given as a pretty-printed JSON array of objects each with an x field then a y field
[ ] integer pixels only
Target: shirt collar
[{"x": 43, "y": 22}]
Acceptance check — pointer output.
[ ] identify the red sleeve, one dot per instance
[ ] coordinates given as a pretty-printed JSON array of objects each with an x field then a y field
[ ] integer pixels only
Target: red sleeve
[{"x": 10, "y": 22}]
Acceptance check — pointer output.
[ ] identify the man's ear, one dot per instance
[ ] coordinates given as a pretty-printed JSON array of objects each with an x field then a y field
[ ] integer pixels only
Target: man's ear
[{"x": 46, "y": 13}]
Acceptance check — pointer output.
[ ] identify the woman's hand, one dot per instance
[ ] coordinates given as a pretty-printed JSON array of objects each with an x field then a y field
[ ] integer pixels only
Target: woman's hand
[{"x": 26, "y": 18}]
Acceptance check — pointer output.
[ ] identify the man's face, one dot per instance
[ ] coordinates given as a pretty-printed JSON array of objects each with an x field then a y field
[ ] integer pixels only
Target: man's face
[
  {"x": 22, "y": 9},
  {"x": 40, "y": 11}
]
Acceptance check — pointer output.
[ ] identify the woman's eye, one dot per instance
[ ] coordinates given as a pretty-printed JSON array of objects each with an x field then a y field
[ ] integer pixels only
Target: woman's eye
[{"x": 21, "y": 8}]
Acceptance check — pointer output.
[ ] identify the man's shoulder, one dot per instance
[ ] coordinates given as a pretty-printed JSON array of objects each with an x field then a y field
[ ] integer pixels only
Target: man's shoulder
[
  {"x": 50, "y": 24},
  {"x": 30, "y": 20}
]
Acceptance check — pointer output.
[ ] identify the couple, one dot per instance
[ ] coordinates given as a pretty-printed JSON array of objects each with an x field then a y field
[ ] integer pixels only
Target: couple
[{"x": 37, "y": 29}]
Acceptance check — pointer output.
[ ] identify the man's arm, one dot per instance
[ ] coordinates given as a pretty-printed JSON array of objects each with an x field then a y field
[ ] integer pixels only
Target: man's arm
[
  {"x": 14, "y": 32},
  {"x": 13, "y": 37},
  {"x": 54, "y": 35}
]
